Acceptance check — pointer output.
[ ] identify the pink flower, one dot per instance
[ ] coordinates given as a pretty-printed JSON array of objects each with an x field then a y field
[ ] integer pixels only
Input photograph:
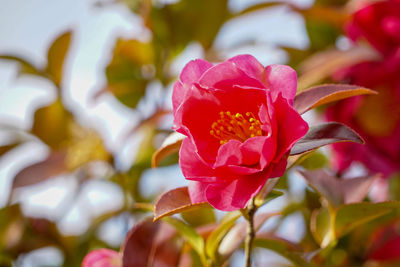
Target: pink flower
[
  {"x": 240, "y": 126},
  {"x": 376, "y": 118},
  {"x": 379, "y": 23},
  {"x": 385, "y": 244},
  {"x": 102, "y": 258}
]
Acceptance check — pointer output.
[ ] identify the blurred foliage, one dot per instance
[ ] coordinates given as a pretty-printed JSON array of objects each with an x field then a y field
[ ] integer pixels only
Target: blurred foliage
[{"x": 338, "y": 232}]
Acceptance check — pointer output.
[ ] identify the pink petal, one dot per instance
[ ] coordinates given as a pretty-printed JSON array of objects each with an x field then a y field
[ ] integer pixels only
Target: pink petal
[
  {"x": 102, "y": 258},
  {"x": 197, "y": 191},
  {"x": 227, "y": 74},
  {"x": 291, "y": 126},
  {"x": 178, "y": 95},
  {"x": 229, "y": 154},
  {"x": 193, "y": 70},
  {"x": 193, "y": 168},
  {"x": 236, "y": 194},
  {"x": 250, "y": 65},
  {"x": 281, "y": 79},
  {"x": 191, "y": 73}
]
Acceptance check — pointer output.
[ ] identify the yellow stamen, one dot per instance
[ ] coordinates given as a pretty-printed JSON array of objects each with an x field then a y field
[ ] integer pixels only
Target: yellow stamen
[{"x": 230, "y": 126}]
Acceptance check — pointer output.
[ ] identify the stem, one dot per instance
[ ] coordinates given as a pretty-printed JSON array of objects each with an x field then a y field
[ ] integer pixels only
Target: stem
[{"x": 248, "y": 245}]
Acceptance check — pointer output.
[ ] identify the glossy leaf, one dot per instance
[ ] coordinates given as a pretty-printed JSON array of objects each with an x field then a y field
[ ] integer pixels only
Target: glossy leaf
[
  {"x": 170, "y": 145},
  {"x": 175, "y": 201},
  {"x": 325, "y": 134},
  {"x": 148, "y": 244},
  {"x": 56, "y": 57},
  {"x": 218, "y": 234},
  {"x": 53, "y": 165},
  {"x": 349, "y": 217},
  {"x": 323, "y": 94},
  {"x": 198, "y": 217}
]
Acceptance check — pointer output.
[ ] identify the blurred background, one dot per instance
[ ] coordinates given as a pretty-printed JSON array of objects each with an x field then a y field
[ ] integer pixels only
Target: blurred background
[{"x": 85, "y": 100}]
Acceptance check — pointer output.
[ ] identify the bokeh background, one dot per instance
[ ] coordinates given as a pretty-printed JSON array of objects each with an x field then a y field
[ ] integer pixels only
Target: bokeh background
[{"x": 85, "y": 99}]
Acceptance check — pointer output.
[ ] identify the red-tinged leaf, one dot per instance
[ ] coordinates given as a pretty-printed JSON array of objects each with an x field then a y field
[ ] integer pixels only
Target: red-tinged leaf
[
  {"x": 326, "y": 185},
  {"x": 356, "y": 189},
  {"x": 323, "y": 94},
  {"x": 175, "y": 201},
  {"x": 56, "y": 56},
  {"x": 325, "y": 134},
  {"x": 149, "y": 244},
  {"x": 170, "y": 145},
  {"x": 323, "y": 64},
  {"x": 339, "y": 191},
  {"x": 53, "y": 165}
]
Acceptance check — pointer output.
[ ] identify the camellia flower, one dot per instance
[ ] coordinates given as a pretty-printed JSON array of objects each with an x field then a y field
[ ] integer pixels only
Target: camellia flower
[
  {"x": 102, "y": 258},
  {"x": 375, "y": 117},
  {"x": 379, "y": 23},
  {"x": 240, "y": 126}
]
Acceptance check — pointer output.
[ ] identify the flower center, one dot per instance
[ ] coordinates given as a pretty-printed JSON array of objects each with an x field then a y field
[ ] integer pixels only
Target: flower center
[{"x": 236, "y": 126}]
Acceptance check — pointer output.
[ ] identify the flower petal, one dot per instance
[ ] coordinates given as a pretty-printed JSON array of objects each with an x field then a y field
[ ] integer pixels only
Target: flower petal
[
  {"x": 236, "y": 194},
  {"x": 226, "y": 75},
  {"x": 193, "y": 70},
  {"x": 281, "y": 79},
  {"x": 250, "y": 65},
  {"x": 291, "y": 126},
  {"x": 193, "y": 168},
  {"x": 197, "y": 192}
]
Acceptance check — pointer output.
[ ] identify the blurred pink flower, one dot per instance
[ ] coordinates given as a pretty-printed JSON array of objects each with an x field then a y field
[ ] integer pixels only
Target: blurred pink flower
[
  {"x": 240, "y": 125},
  {"x": 379, "y": 23},
  {"x": 385, "y": 244},
  {"x": 376, "y": 118},
  {"x": 102, "y": 258}
]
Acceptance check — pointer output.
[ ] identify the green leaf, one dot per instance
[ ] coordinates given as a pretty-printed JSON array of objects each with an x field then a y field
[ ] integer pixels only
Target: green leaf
[
  {"x": 199, "y": 216},
  {"x": 51, "y": 124},
  {"x": 188, "y": 233},
  {"x": 325, "y": 134},
  {"x": 316, "y": 160},
  {"x": 175, "y": 201},
  {"x": 320, "y": 226},
  {"x": 281, "y": 246},
  {"x": 129, "y": 71},
  {"x": 327, "y": 93},
  {"x": 215, "y": 238},
  {"x": 350, "y": 216},
  {"x": 56, "y": 57}
]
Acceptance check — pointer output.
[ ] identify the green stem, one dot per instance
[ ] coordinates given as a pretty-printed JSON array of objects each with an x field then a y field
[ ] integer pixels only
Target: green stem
[{"x": 248, "y": 245}]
